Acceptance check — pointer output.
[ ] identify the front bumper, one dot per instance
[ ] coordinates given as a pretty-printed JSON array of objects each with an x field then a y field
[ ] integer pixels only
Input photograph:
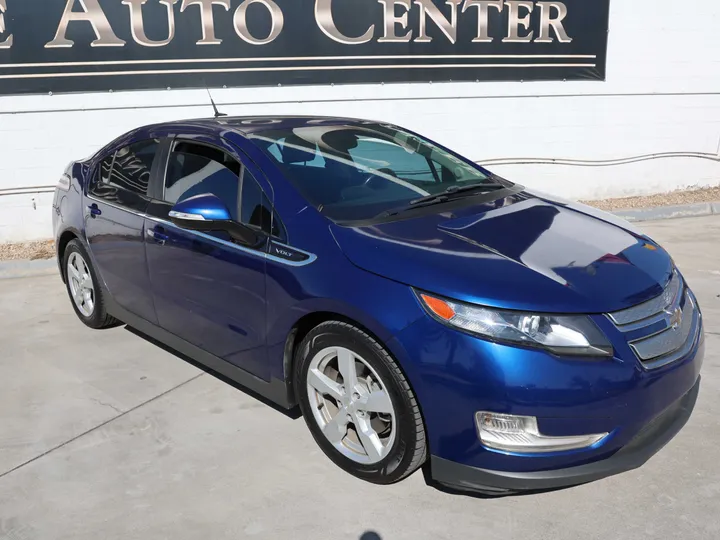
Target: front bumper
[
  {"x": 454, "y": 375},
  {"x": 642, "y": 447}
]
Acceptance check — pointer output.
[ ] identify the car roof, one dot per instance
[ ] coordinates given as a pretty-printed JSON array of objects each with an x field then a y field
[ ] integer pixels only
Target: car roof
[{"x": 247, "y": 125}]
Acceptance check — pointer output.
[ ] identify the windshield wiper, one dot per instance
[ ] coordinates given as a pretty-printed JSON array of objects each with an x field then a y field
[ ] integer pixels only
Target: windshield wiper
[
  {"x": 442, "y": 197},
  {"x": 452, "y": 190},
  {"x": 434, "y": 199}
]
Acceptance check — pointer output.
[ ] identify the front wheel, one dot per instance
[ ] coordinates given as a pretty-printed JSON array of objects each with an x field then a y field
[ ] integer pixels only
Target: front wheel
[{"x": 358, "y": 404}]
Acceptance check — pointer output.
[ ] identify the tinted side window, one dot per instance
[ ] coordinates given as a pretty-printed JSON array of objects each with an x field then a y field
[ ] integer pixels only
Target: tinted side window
[
  {"x": 132, "y": 166},
  {"x": 125, "y": 175},
  {"x": 196, "y": 169},
  {"x": 106, "y": 168}
]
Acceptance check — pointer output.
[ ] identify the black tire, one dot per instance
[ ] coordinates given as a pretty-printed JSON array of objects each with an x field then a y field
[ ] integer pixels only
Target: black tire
[
  {"x": 409, "y": 450},
  {"x": 99, "y": 317}
]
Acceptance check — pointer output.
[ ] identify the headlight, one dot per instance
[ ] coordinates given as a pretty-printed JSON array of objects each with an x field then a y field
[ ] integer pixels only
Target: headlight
[{"x": 571, "y": 335}]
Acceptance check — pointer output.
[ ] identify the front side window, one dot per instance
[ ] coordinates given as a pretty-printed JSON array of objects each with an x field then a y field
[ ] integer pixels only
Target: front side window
[
  {"x": 357, "y": 172},
  {"x": 195, "y": 169},
  {"x": 124, "y": 176}
]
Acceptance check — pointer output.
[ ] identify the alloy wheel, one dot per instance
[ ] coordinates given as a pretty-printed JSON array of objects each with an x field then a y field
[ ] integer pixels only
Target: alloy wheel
[
  {"x": 81, "y": 284},
  {"x": 351, "y": 405}
]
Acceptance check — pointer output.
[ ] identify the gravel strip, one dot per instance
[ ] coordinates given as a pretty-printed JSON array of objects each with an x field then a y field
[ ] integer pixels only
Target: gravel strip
[
  {"x": 682, "y": 196},
  {"x": 43, "y": 249}
]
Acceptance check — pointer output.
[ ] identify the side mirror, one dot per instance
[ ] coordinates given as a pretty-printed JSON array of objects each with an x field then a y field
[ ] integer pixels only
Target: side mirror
[
  {"x": 207, "y": 208},
  {"x": 206, "y": 212}
]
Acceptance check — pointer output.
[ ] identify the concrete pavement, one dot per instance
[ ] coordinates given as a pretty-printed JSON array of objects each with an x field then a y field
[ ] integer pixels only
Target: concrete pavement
[{"x": 106, "y": 436}]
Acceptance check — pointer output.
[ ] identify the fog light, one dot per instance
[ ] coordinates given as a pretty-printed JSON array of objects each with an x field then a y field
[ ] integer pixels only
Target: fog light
[{"x": 520, "y": 434}]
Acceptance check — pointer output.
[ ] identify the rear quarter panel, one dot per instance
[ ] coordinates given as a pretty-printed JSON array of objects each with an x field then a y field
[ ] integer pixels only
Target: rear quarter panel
[{"x": 68, "y": 215}]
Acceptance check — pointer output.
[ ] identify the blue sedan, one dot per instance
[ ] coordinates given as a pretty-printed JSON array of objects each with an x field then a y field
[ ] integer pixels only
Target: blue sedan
[{"x": 419, "y": 309}]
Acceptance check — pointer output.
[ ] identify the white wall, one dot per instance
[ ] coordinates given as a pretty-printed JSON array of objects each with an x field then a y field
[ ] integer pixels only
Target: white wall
[{"x": 662, "y": 94}]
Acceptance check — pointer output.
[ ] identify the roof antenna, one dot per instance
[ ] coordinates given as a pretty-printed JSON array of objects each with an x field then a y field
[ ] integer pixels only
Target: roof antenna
[{"x": 217, "y": 114}]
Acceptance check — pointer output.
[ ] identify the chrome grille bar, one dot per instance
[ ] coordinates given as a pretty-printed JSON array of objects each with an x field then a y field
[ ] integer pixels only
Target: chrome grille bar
[
  {"x": 651, "y": 308},
  {"x": 662, "y": 344},
  {"x": 669, "y": 340}
]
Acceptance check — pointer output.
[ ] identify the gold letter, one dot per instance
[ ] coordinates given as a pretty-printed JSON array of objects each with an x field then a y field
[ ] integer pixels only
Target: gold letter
[
  {"x": 483, "y": 9},
  {"x": 391, "y": 20},
  {"x": 9, "y": 41},
  {"x": 240, "y": 21},
  {"x": 92, "y": 13},
  {"x": 324, "y": 20},
  {"x": 206, "y": 18},
  {"x": 515, "y": 22},
  {"x": 138, "y": 27},
  {"x": 546, "y": 22},
  {"x": 449, "y": 28}
]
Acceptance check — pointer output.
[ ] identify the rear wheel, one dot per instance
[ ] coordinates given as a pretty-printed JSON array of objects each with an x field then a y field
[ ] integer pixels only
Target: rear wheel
[
  {"x": 358, "y": 404},
  {"x": 84, "y": 289}
]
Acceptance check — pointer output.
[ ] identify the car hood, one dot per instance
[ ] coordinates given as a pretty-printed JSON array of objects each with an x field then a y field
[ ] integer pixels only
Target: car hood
[{"x": 525, "y": 252}]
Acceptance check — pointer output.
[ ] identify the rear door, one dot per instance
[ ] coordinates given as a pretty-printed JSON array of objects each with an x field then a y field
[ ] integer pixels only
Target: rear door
[
  {"x": 208, "y": 289},
  {"x": 116, "y": 201}
]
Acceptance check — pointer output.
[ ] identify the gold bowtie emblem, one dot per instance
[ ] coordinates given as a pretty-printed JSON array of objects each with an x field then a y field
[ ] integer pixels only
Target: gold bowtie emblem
[{"x": 676, "y": 317}]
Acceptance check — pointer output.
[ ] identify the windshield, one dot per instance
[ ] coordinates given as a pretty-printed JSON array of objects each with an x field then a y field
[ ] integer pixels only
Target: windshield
[{"x": 357, "y": 172}]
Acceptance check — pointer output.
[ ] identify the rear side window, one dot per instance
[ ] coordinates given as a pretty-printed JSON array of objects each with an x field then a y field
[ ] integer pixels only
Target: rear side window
[
  {"x": 195, "y": 169},
  {"x": 124, "y": 176},
  {"x": 106, "y": 169}
]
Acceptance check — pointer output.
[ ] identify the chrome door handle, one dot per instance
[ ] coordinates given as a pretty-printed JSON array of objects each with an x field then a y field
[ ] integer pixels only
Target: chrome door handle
[{"x": 157, "y": 235}]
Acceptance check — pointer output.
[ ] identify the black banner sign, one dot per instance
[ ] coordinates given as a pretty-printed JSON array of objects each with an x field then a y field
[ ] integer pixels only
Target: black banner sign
[{"x": 94, "y": 45}]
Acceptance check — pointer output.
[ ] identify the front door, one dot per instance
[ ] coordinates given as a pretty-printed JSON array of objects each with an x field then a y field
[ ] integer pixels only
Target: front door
[
  {"x": 116, "y": 200},
  {"x": 209, "y": 290}
]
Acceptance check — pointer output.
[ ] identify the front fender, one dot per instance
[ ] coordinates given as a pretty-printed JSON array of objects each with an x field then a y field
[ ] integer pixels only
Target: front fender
[{"x": 382, "y": 306}]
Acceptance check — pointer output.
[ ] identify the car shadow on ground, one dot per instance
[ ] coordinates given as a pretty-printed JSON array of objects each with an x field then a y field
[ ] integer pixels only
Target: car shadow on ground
[{"x": 293, "y": 413}]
